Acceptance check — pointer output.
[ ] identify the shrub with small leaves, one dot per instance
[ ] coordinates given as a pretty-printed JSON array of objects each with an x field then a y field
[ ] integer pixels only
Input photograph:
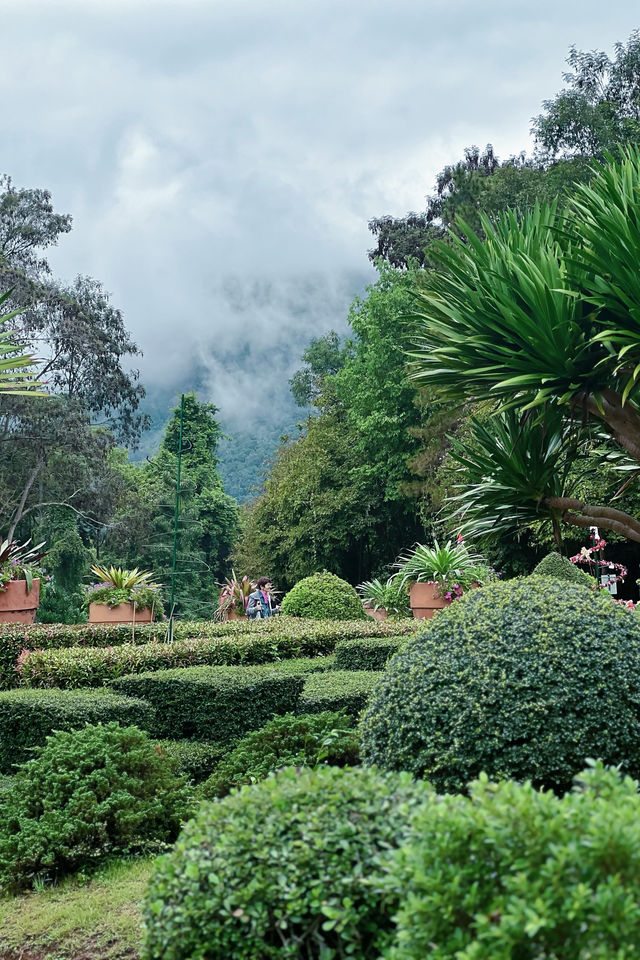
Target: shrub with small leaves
[
  {"x": 86, "y": 794},
  {"x": 523, "y": 679},
  {"x": 194, "y": 759},
  {"x": 371, "y": 653},
  {"x": 283, "y": 869},
  {"x": 553, "y": 565},
  {"x": 323, "y": 597},
  {"x": 288, "y": 741},
  {"x": 512, "y": 872},
  {"x": 347, "y": 690}
]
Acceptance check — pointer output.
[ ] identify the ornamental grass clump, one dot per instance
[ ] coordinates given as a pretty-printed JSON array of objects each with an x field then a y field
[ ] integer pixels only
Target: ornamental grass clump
[
  {"x": 523, "y": 679},
  {"x": 283, "y": 868},
  {"x": 323, "y": 596}
]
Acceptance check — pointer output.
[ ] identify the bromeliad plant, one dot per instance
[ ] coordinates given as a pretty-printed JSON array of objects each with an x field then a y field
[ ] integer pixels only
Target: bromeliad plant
[
  {"x": 116, "y": 585},
  {"x": 451, "y": 567},
  {"x": 391, "y": 595},
  {"x": 18, "y": 561},
  {"x": 234, "y": 596}
]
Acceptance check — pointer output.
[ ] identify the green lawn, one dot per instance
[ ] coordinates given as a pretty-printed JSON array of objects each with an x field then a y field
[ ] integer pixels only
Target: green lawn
[{"x": 96, "y": 920}]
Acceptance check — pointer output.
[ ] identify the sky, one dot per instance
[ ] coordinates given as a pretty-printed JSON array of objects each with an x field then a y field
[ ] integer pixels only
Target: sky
[{"x": 221, "y": 158}]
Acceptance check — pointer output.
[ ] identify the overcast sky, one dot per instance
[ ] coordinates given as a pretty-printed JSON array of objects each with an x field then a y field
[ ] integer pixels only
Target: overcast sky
[{"x": 221, "y": 158}]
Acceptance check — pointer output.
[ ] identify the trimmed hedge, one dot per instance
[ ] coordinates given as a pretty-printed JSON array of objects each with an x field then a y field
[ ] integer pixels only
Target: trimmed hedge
[
  {"x": 513, "y": 872},
  {"x": 523, "y": 679},
  {"x": 324, "y": 596},
  {"x": 277, "y": 639},
  {"x": 553, "y": 565},
  {"x": 347, "y": 690},
  {"x": 28, "y": 717},
  {"x": 214, "y": 703},
  {"x": 287, "y": 741},
  {"x": 283, "y": 869},
  {"x": 194, "y": 759},
  {"x": 366, "y": 654}
]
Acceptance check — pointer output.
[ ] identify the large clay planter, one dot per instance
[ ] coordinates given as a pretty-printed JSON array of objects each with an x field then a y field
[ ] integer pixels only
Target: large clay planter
[
  {"x": 18, "y": 606},
  {"x": 123, "y": 613},
  {"x": 425, "y": 600},
  {"x": 379, "y": 614},
  {"x": 233, "y": 615}
]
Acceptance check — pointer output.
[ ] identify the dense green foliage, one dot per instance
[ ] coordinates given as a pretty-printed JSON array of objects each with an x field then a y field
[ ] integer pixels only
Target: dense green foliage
[
  {"x": 347, "y": 690},
  {"x": 28, "y": 717},
  {"x": 323, "y": 596},
  {"x": 194, "y": 759},
  {"x": 86, "y": 794},
  {"x": 287, "y": 741},
  {"x": 524, "y": 679},
  {"x": 214, "y": 703},
  {"x": 553, "y": 565},
  {"x": 222, "y": 894},
  {"x": 511, "y": 872},
  {"x": 366, "y": 654}
]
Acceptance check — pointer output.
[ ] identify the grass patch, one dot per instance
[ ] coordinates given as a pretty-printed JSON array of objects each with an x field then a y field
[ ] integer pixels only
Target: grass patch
[{"x": 77, "y": 920}]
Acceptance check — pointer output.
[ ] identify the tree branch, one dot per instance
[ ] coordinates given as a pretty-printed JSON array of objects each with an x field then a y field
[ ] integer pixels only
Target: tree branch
[
  {"x": 20, "y": 511},
  {"x": 589, "y": 515}
]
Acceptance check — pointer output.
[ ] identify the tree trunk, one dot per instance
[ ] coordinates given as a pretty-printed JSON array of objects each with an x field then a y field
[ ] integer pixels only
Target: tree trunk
[{"x": 577, "y": 513}]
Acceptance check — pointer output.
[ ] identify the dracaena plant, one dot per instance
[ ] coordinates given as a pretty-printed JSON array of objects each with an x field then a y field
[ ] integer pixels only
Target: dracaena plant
[
  {"x": 234, "y": 595},
  {"x": 19, "y": 561},
  {"x": 115, "y": 585},
  {"x": 390, "y": 595},
  {"x": 451, "y": 566},
  {"x": 16, "y": 367}
]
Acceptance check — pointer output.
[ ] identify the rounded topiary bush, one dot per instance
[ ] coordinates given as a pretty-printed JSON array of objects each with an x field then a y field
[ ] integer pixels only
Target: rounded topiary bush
[
  {"x": 323, "y": 597},
  {"x": 284, "y": 868},
  {"x": 515, "y": 872},
  {"x": 288, "y": 741},
  {"x": 87, "y": 793},
  {"x": 553, "y": 565},
  {"x": 523, "y": 679}
]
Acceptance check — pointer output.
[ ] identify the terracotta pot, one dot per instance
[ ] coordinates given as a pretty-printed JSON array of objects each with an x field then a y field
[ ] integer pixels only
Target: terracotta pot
[
  {"x": 18, "y": 606},
  {"x": 425, "y": 600},
  {"x": 233, "y": 615},
  {"x": 123, "y": 613},
  {"x": 379, "y": 614}
]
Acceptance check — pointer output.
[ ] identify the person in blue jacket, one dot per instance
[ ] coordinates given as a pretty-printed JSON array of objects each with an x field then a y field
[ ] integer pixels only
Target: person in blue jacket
[{"x": 261, "y": 603}]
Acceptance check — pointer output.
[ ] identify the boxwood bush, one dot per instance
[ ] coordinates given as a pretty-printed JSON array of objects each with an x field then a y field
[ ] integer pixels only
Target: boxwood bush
[
  {"x": 523, "y": 679},
  {"x": 277, "y": 639},
  {"x": 214, "y": 703},
  {"x": 323, "y": 596},
  {"x": 553, "y": 565},
  {"x": 372, "y": 653},
  {"x": 288, "y": 741},
  {"x": 194, "y": 759},
  {"x": 347, "y": 690},
  {"x": 512, "y": 872},
  {"x": 87, "y": 793},
  {"x": 27, "y": 717},
  {"x": 282, "y": 869}
]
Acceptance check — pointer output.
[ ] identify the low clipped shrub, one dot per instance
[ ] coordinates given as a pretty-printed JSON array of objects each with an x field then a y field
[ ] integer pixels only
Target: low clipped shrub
[
  {"x": 553, "y": 565},
  {"x": 194, "y": 759},
  {"x": 86, "y": 794},
  {"x": 512, "y": 872},
  {"x": 282, "y": 869},
  {"x": 347, "y": 690},
  {"x": 214, "y": 703},
  {"x": 372, "y": 653},
  {"x": 288, "y": 741},
  {"x": 28, "y": 717},
  {"x": 277, "y": 639},
  {"x": 523, "y": 679},
  {"x": 323, "y": 597}
]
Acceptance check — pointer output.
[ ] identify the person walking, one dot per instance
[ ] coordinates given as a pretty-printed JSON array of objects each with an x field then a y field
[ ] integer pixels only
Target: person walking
[{"x": 261, "y": 603}]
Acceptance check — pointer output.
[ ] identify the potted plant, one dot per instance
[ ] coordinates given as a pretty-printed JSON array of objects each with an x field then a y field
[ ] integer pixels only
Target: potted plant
[
  {"x": 234, "y": 596},
  {"x": 384, "y": 599},
  {"x": 123, "y": 596},
  {"x": 437, "y": 575},
  {"x": 19, "y": 581}
]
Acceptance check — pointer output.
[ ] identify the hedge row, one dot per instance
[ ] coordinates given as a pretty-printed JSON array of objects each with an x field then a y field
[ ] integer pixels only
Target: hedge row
[
  {"x": 195, "y": 759},
  {"x": 87, "y": 656},
  {"x": 346, "y": 690},
  {"x": 27, "y": 717},
  {"x": 371, "y": 653},
  {"x": 214, "y": 703}
]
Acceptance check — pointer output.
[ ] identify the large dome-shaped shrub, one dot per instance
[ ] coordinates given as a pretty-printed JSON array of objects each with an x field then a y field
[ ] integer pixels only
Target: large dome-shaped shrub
[
  {"x": 553, "y": 565},
  {"x": 284, "y": 868},
  {"x": 524, "y": 680},
  {"x": 323, "y": 597}
]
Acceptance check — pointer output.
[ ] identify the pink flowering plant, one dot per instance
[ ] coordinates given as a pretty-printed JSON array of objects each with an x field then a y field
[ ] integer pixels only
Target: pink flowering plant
[
  {"x": 234, "y": 596},
  {"x": 19, "y": 561},
  {"x": 451, "y": 567},
  {"x": 591, "y": 557}
]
